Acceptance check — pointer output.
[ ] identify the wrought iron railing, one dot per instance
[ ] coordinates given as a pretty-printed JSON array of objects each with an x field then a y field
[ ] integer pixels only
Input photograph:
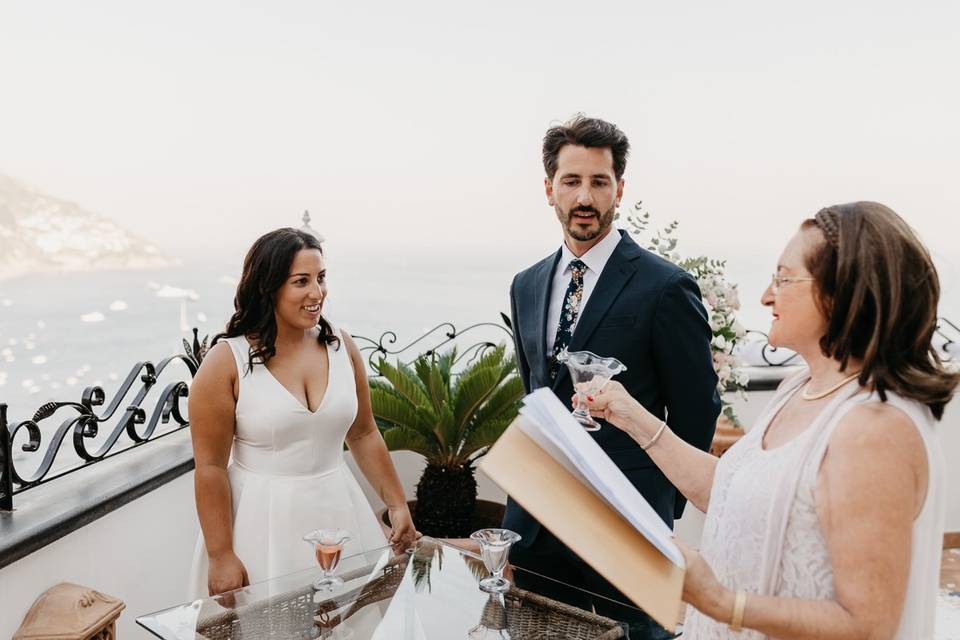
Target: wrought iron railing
[
  {"x": 86, "y": 420},
  {"x": 442, "y": 335},
  {"x": 950, "y": 333},
  {"x": 85, "y": 423},
  {"x": 947, "y": 344}
]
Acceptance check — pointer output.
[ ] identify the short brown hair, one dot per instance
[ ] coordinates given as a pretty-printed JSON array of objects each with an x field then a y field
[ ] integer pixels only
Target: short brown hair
[
  {"x": 878, "y": 288},
  {"x": 585, "y": 132}
]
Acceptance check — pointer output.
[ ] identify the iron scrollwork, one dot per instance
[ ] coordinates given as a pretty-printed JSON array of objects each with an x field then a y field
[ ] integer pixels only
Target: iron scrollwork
[
  {"x": 773, "y": 356},
  {"x": 950, "y": 333},
  {"x": 87, "y": 420},
  {"x": 436, "y": 338},
  {"x": 133, "y": 421}
]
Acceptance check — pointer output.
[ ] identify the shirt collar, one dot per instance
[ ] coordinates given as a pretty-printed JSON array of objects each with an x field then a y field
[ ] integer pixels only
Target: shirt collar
[{"x": 596, "y": 257}]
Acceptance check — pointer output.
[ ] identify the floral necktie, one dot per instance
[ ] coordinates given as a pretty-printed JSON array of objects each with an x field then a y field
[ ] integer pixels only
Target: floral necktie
[{"x": 568, "y": 313}]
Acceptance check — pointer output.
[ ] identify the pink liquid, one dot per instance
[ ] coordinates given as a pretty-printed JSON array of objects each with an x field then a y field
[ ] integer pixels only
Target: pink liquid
[{"x": 328, "y": 556}]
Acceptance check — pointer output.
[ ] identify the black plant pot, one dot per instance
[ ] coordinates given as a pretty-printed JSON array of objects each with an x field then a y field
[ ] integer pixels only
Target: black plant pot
[{"x": 486, "y": 514}]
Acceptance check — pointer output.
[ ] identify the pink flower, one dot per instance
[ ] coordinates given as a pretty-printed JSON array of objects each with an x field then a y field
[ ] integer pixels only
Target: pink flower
[{"x": 733, "y": 298}]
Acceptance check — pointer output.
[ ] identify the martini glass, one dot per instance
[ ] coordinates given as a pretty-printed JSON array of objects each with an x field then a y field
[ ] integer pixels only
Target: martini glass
[
  {"x": 328, "y": 545},
  {"x": 494, "y": 549},
  {"x": 589, "y": 373}
]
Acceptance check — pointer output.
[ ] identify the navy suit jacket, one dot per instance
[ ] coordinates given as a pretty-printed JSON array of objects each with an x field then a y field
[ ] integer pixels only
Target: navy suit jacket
[{"x": 646, "y": 312}]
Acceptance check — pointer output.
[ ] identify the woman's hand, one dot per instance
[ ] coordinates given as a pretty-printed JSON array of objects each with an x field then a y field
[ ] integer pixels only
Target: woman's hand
[
  {"x": 404, "y": 534},
  {"x": 226, "y": 573},
  {"x": 616, "y": 406},
  {"x": 701, "y": 588}
]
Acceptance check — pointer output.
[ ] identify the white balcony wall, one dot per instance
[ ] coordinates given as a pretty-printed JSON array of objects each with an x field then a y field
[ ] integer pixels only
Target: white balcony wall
[{"x": 140, "y": 553}]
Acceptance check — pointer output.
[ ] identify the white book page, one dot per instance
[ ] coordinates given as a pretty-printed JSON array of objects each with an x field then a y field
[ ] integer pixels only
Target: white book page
[
  {"x": 573, "y": 447},
  {"x": 532, "y": 429}
]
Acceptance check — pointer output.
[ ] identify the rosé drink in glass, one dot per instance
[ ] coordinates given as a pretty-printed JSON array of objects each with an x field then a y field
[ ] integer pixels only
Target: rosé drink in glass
[{"x": 328, "y": 546}]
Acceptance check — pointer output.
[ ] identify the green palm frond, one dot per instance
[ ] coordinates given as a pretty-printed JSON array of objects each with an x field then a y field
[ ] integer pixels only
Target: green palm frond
[
  {"x": 447, "y": 431},
  {"x": 472, "y": 392},
  {"x": 484, "y": 436},
  {"x": 404, "y": 381},
  {"x": 404, "y": 439},
  {"x": 423, "y": 365},
  {"x": 395, "y": 411},
  {"x": 377, "y": 385},
  {"x": 445, "y": 364},
  {"x": 503, "y": 401},
  {"x": 438, "y": 388},
  {"x": 446, "y": 417}
]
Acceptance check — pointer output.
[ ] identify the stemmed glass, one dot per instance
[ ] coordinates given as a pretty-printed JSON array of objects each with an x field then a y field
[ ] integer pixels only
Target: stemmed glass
[
  {"x": 589, "y": 373},
  {"x": 493, "y": 621},
  {"x": 328, "y": 545},
  {"x": 494, "y": 549}
]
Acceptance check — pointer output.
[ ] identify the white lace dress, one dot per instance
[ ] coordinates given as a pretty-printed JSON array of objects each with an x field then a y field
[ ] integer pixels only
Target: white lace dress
[{"x": 762, "y": 534}]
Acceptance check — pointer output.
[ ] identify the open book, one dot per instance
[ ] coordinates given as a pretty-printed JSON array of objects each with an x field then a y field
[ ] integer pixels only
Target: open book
[
  {"x": 552, "y": 468},
  {"x": 552, "y": 427}
]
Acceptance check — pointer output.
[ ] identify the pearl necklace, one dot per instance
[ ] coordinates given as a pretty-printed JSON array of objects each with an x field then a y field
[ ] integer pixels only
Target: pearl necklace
[{"x": 823, "y": 394}]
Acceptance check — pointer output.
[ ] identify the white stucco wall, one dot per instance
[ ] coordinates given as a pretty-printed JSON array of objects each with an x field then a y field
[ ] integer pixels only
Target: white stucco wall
[{"x": 140, "y": 553}]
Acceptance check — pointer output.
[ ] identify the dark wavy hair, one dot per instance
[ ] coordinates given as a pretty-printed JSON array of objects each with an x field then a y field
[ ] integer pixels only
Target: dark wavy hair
[
  {"x": 265, "y": 269},
  {"x": 587, "y": 132},
  {"x": 878, "y": 288}
]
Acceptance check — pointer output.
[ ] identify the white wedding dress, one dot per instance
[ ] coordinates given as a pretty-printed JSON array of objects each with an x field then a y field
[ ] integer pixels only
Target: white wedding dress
[{"x": 288, "y": 475}]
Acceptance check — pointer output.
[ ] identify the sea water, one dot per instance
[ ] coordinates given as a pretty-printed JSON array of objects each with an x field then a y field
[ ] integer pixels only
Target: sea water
[{"x": 60, "y": 333}]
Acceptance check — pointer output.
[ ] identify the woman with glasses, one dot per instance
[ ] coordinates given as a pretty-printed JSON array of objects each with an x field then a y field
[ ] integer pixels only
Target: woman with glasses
[{"x": 826, "y": 519}]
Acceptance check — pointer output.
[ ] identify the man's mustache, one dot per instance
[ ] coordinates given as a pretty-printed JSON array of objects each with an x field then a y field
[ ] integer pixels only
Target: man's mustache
[{"x": 584, "y": 210}]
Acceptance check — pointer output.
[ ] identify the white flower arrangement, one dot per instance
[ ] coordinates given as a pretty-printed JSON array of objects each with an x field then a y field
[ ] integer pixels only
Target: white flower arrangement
[{"x": 720, "y": 299}]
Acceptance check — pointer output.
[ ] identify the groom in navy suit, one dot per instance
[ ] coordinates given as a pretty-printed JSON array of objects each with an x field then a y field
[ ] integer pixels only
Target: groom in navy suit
[{"x": 601, "y": 292}]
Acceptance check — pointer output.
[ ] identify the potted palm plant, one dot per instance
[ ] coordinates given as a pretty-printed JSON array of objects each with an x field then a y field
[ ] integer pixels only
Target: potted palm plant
[{"x": 451, "y": 419}]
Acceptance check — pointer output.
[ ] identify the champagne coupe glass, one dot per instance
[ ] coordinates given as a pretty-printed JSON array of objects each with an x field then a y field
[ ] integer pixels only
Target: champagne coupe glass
[
  {"x": 328, "y": 545},
  {"x": 494, "y": 548},
  {"x": 589, "y": 373}
]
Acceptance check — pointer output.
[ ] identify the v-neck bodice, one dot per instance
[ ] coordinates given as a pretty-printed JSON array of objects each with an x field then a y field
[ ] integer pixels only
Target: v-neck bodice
[
  {"x": 275, "y": 432},
  {"x": 288, "y": 474},
  {"x": 305, "y": 404}
]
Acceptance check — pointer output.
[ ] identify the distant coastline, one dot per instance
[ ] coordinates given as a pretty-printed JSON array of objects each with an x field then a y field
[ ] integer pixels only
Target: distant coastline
[
  {"x": 12, "y": 271},
  {"x": 42, "y": 234}
]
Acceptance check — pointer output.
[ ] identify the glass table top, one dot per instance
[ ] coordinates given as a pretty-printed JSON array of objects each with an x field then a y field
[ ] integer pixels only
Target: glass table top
[{"x": 430, "y": 592}]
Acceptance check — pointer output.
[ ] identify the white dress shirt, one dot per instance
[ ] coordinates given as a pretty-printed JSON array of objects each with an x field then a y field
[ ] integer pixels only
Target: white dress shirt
[{"x": 595, "y": 259}]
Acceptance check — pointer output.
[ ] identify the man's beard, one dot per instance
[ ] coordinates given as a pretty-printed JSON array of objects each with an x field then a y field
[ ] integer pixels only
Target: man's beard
[{"x": 583, "y": 235}]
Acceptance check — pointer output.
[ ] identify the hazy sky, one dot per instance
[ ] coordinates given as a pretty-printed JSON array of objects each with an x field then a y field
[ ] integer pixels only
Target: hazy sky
[{"x": 418, "y": 123}]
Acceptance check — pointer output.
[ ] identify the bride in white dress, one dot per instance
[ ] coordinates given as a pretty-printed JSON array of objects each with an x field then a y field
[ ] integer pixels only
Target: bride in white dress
[{"x": 270, "y": 409}]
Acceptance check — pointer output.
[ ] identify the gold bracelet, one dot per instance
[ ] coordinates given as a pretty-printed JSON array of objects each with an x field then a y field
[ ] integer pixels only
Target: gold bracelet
[
  {"x": 652, "y": 441},
  {"x": 739, "y": 604}
]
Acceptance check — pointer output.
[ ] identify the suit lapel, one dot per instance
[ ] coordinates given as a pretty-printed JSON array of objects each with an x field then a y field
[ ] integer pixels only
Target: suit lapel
[
  {"x": 614, "y": 277},
  {"x": 542, "y": 286}
]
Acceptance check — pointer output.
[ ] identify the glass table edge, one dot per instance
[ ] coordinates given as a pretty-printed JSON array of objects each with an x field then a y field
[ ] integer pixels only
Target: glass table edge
[{"x": 143, "y": 620}]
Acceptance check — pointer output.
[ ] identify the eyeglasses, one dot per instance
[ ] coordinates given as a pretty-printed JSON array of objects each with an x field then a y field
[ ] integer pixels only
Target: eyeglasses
[{"x": 778, "y": 281}]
